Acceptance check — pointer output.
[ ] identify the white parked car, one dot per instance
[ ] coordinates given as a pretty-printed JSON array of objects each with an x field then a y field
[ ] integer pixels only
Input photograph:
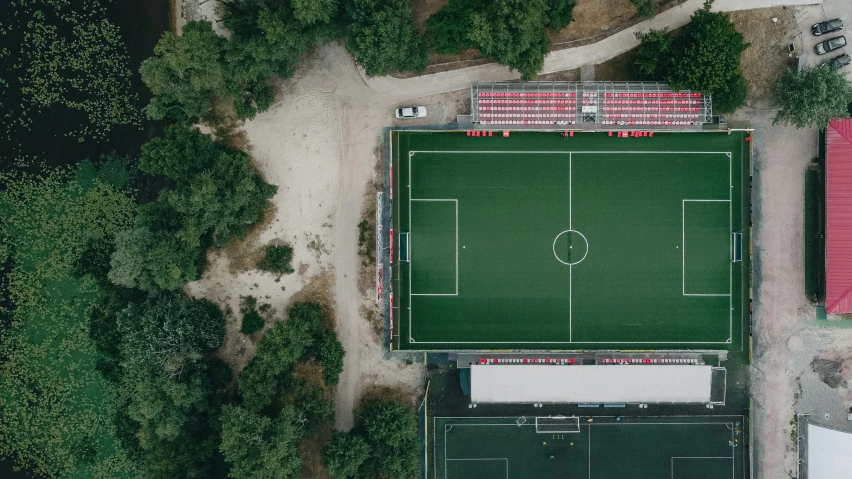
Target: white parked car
[{"x": 405, "y": 112}]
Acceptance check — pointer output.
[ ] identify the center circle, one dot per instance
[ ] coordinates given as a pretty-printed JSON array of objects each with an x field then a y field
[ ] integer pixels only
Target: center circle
[{"x": 570, "y": 247}]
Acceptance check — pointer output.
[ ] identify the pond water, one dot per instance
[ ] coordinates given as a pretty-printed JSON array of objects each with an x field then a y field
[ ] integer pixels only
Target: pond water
[{"x": 141, "y": 24}]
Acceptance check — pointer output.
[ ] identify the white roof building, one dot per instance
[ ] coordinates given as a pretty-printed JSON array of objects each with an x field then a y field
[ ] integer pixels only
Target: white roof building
[{"x": 592, "y": 384}]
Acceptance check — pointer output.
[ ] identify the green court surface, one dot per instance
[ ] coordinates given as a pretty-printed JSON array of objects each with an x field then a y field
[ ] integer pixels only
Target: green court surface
[
  {"x": 591, "y": 242},
  {"x": 706, "y": 447}
]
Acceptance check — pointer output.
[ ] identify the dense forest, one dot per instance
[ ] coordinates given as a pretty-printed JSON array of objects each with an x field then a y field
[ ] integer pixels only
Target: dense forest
[{"x": 107, "y": 368}]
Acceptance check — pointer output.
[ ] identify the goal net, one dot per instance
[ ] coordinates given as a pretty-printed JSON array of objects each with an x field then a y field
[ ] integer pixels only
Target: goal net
[{"x": 557, "y": 424}]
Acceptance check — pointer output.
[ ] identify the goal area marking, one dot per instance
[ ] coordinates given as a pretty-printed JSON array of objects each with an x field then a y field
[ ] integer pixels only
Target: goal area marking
[{"x": 557, "y": 424}]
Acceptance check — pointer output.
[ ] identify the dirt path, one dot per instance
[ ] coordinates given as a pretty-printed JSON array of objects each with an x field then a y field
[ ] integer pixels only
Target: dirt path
[
  {"x": 318, "y": 145},
  {"x": 786, "y": 339}
]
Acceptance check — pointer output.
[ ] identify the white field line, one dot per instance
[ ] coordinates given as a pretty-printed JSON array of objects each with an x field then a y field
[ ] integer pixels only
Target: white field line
[
  {"x": 683, "y": 246},
  {"x": 570, "y": 153},
  {"x": 686, "y": 457},
  {"x": 456, "y": 293}
]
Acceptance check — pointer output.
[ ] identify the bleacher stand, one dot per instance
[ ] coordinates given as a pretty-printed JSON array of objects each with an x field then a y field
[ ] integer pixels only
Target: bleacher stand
[{"x": 557, "y": 104}]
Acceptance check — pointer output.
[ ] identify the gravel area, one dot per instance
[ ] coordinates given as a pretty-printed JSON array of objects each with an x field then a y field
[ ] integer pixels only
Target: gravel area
[{"x": 787, "y": 338}]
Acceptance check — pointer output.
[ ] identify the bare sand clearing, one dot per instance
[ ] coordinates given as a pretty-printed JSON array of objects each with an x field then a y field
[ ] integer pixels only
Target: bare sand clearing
[{"x": 318, "y": 145}]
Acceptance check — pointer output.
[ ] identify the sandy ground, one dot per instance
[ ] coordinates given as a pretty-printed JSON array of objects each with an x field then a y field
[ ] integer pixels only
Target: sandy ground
[
  {"x": 318, "y": 145},
  {"x": 786, "y": 339}
]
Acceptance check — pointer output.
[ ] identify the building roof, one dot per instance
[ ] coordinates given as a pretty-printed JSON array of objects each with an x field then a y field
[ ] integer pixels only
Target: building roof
[
  {"x": 590, "y": 384},
  {"x": 829, "y": 453},
  {"x": 838, "y": 226}
]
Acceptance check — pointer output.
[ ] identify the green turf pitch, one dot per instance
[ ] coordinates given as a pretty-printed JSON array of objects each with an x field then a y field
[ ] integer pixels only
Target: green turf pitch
[
  {"x": 535, "y": 241},
  {"x": 708, "y": 447}
]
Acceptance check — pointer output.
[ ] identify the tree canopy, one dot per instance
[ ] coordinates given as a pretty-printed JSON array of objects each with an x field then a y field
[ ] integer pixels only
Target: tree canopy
[
  {"x": 268, "y": 38},
  {"x": 811, "y": 97},
  {"x": 381, "y": 36},
  {"x": 255, "y": 445},
  {"x": 706, "y": 53},
  {"x": 345, "y": 454},
  {"x": 383, "y": 444},
  {"x": 185, "y": 73},
  {"x": 169, "y": 331},
  {"x": 216, "y": 195},
  {"x": 511, "y": 32},
  {"x": 704, "y": 57}
]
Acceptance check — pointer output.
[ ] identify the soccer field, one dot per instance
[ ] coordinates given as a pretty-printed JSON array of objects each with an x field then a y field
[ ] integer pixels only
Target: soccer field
[
  {"x": 540, "y": 242},
  {"x": 707, "y": 447}
]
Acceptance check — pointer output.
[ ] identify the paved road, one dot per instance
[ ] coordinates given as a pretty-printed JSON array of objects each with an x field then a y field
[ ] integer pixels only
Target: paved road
[{"x": 561, "y": 60}]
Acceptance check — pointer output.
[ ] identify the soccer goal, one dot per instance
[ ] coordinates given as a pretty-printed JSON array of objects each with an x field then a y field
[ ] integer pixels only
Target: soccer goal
[
  {"x": 737, "y": 247},
  {"x": 404, "y": 247},
  {"x": 557, "y": 424}
]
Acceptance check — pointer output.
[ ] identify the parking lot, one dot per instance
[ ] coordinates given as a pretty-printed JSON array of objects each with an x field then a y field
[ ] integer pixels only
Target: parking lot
[{"x": 805, "y": 41}]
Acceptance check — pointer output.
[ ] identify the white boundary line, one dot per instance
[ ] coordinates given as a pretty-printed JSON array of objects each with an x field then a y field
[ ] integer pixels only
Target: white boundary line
[
  {"x": 683, "y": 246},
  {"x": 478, "y": 459},
  {"x": 512, "y": 422},
  {"x": 411, "y": 154},
  {"x": 733, "y": 473}
]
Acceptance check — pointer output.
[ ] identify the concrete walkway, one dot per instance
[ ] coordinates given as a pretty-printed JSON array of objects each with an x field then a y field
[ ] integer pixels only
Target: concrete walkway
[{"x": 561, "y": 60}]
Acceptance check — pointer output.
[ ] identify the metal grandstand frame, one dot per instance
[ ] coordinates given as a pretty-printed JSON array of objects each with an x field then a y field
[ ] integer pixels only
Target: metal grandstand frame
[{"x": 561, "y": 105}]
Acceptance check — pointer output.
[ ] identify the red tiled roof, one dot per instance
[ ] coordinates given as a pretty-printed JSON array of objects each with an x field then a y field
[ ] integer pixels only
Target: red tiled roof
[{"x": 838, "y": 235}]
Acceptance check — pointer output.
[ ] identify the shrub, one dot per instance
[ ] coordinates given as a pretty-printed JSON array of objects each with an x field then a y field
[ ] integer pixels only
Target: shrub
[
  {"x": 645, "y": 8},
  {"x": 252, "y": 322},
  {"x": 278, "y": 259}
]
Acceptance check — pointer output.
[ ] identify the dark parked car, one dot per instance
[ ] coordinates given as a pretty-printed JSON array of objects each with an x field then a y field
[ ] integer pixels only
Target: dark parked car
[
  {"x": 840, "y": 61},
  {"x": 827, "y": 26},
  {"x": 829, "y": 45}
]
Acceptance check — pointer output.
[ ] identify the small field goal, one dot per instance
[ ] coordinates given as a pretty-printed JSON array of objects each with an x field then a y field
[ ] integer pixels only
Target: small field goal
[
  {"x": 404, "y": 247},
  {"x": 737, "y": 246},
  {"x": 557, "y": 424}
]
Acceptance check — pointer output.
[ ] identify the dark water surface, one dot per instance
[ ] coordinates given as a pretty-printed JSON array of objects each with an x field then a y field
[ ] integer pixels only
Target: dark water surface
[{"x": 141, "y": 23}]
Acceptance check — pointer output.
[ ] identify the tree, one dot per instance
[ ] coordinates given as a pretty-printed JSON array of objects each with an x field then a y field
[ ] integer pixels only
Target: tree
[
  {"x": 345, "y": 454},
  {"x": 252, "y": 320},
  {"x": 645, "y": 8},
  {"x": 511, "y": 32},
  {"x": 704, "y": 57},
  {"x": 216, "y": 195},
  {"x": 389, "y": 428},
  {"x": 812, "y": 97},
  {"x": 280, "y": 348},
  {"x": 152, "y": 261},
  {"x": 162, "y": 406},
  {"x": 448, "y": 29},
  {"x": 169, "y": 332},
  {"x": 277, "y": 259},
  {"x": 330, "y": 353},
  {"x": 382, "y": 38},
  {"x": 309, "y": 12},
  {"x": 653, "y": 54},
  {"x": 185, "y": 73},
  {"x": 257, "y": 446},
  {"x": 731, "y": 96},
  {"x": 706, "y": 54},
  {"x": 268, "y": 37},
  {"x": 560, "y": 14}
]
